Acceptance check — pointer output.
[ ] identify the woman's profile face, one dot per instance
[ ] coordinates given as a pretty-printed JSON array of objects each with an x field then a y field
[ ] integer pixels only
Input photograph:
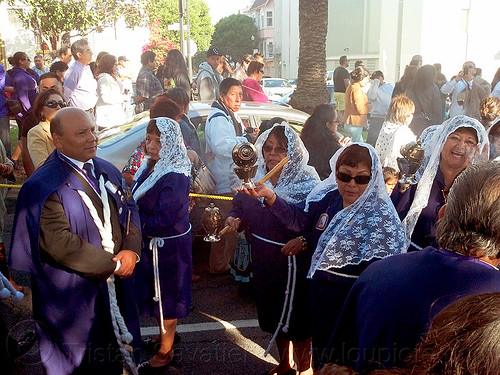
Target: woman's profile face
[
  {"x": 153, "y": 146},
  {"x": 333, "y": 124},
  {"x": 25, "y": 62},
  {"x": 352, "y": 190},
  {"x": 459, "y": 148},
  {"x": 273, "y": 151}
]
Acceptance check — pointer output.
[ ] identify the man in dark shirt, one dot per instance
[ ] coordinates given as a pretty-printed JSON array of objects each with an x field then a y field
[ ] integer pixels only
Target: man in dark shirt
[{"x": 341, "y": 80}]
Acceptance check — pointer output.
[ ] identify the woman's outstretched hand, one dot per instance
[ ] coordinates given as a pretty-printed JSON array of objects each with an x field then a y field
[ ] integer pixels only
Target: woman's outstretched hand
[{"x": 260, "y": 191}]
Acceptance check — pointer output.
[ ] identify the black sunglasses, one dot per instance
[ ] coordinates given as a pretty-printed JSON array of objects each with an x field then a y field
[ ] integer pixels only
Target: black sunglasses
[
  {"x": 53, "y": 104},
  {"x": 278, "y": 150},
  {"x": 360, "y": 180}
]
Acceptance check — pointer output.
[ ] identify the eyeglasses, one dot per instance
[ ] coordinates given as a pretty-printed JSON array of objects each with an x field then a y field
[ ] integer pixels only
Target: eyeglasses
[
  {"x": 360, "y": 180},
  {"x": 53, "y": 104},
  {"x": 454, "y": 138},
  {"x": 26, "y": 59},
  {"x": 261, "y": 71},
  {"x": 278, "y": 150}
]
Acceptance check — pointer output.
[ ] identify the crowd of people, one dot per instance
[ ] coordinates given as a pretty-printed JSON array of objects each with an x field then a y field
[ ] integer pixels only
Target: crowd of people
[{"x": 351, "y": 270}]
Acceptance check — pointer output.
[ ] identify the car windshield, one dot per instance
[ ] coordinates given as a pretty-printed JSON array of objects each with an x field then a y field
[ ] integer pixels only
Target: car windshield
[{"x": 276, "y": 83}]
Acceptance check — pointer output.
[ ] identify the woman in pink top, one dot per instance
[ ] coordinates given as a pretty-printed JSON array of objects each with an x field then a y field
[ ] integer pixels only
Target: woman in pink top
[{"x": 252, "y": 90}]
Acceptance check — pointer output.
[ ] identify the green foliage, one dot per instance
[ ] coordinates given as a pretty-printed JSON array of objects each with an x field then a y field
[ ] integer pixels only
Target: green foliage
[
  {"x": 232, "y": 36},
  {"x": 168, "y": 12},
  {"x": 52, "y": 19}
]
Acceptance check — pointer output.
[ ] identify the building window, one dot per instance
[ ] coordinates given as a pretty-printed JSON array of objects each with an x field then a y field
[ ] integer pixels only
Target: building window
[
  {"x": 269, "y": 49},
  {"x": 269, "y": 18}
]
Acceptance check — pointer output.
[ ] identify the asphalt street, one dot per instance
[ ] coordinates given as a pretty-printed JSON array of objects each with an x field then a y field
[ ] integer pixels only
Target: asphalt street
[{"x": 221, "y": 335}]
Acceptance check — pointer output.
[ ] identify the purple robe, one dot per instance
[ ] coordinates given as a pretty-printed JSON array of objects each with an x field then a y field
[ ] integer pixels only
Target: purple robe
[
  {"x": 164, "y": 212},
  {"x": 424, "y": 233},
  {"x": 26, "y": 89},
  {"x": 391, "y": 304},
  {"x": 70, "y": 309},
  {"x": 270, "y": 269},
  {"x": 328, "y": 291}
]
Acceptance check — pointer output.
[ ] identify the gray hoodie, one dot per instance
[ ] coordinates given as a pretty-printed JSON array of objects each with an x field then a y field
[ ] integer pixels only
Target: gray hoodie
[{"x": 208, "y": 82}]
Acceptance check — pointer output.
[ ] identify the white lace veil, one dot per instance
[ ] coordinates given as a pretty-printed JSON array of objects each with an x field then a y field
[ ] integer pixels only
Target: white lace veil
[
  {"x": 297, "y": 179},
  {"x": 368, "y": 228},
  {"x": 433, "y": 145},
  {"x": 172, "y": 157}
]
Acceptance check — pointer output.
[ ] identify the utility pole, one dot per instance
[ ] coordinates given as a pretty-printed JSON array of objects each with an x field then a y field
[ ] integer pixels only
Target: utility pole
[
  {"x": 181, "y": 23},
  {"x": 189, "y": 57}
]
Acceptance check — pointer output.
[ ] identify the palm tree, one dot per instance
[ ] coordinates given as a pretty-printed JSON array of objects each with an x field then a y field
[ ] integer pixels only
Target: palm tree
[{"x": 313, "y": 25}]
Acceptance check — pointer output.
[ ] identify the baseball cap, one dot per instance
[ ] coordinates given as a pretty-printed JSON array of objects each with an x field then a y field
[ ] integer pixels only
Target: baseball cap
[
  {"x": 123, "y": 58},
  {"x": 212, "y": 51}
]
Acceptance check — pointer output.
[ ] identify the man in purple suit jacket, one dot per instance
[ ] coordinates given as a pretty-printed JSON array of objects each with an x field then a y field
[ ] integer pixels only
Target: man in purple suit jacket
[{"x": 75, "y": 231}]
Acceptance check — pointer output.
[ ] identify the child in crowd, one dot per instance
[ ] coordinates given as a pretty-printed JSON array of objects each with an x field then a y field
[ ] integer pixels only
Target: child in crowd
[{"x": 391, "y": 177}]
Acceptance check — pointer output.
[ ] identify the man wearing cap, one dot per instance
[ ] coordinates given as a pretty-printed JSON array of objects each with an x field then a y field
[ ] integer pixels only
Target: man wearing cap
[
  {"x": 126, "y": 75},
  {"x": 208, "y": 76}
]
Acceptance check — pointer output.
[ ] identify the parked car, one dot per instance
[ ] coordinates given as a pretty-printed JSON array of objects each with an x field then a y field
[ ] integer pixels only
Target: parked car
[
  {"x": 285, "y": 99},
  {"x": 293, "y": 82},
  {"x": 117, "y": 144},
  {"x": 275, "y": 88}
]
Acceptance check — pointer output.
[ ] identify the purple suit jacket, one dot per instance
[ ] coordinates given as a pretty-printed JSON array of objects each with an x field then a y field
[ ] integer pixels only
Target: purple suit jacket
[{"x": 67, "y": 305}]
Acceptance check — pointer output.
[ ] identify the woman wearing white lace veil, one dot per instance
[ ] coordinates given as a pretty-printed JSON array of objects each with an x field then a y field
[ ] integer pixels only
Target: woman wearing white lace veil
[
  {"x": 163, "y": 277},
  {"x": 280, "y": 283},
  {"x": 449, "y": 149},
  {"x": 350, "y": 222}
]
